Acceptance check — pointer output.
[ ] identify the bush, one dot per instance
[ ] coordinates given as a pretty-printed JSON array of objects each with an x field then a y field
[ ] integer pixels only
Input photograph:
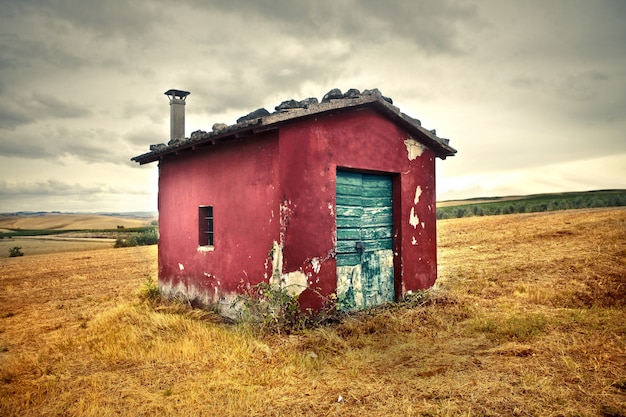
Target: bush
[
  {"x": 147, "y": 237},
  {"x": 15, "y": 251},
  {"x": 271, "y": 309}
]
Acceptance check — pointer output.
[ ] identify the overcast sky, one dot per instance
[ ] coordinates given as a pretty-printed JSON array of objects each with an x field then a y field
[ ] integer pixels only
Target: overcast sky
[{"x": 532, "y": 94}]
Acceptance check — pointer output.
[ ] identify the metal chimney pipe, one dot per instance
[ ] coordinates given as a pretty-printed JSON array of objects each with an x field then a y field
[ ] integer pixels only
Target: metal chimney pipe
[{"x": 177, "y": 113}]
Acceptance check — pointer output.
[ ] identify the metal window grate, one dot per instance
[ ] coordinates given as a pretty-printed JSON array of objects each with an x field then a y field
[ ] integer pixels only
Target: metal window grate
[{"x": 206, "y": 235}]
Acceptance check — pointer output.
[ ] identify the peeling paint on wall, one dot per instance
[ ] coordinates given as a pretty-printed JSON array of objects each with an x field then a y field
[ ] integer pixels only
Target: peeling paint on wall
[
  {"x": 295, "y": 282},
  {"x": 413, "y": 219},
  {"x": 349, "y": 285},
  {"x": 285, "y": 212},
  {"x": 418, "y": 193},
  {"x": 316, "y": 264},
  {"x": 414, "y": 241},
  {"x": 414, "y": 148},
  {"x": 276, "y": 255},
  {"x": 181, "y": 267}
]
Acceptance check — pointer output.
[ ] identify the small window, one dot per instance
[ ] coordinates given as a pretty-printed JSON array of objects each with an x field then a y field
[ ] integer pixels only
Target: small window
[{"x": 206, "y": 226}]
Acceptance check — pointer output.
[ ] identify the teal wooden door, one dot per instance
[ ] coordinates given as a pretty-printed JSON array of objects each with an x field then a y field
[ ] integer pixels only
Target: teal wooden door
[{"x": 364, "y": 240}]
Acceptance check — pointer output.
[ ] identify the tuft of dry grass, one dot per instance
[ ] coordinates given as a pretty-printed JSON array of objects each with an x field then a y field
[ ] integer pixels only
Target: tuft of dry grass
[{"x": 527, "y": 319}]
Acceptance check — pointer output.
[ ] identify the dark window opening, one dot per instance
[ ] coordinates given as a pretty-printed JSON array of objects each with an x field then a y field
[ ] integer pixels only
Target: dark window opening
[{"x": 206, "y": 237}]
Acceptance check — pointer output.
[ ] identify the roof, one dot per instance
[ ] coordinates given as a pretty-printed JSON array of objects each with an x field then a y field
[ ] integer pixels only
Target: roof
[{"x": 288, "y": 111}]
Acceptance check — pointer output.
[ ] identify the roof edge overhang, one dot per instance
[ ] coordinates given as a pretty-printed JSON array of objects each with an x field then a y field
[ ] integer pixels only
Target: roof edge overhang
[{"x": 200, "y": 139}]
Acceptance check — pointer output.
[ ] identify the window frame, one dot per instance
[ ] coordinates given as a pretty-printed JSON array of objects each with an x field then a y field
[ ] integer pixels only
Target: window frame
[{"x": 206, "y": 226}]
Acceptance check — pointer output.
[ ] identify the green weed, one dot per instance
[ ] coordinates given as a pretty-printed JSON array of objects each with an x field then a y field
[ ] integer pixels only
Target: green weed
[
  {"x": 270, "y": 309},
  {"x": 150, "y": 290}
]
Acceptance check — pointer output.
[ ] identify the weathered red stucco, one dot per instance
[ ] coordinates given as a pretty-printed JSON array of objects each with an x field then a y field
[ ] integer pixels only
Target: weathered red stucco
[{"x": 279, "y": 186}]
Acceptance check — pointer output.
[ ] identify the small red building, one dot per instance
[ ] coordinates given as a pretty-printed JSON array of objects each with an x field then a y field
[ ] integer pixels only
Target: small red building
[{"x": 331, "y": 197}]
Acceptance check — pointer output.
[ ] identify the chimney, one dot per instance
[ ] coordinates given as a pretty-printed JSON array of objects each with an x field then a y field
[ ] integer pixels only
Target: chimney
[{"x": 177, "y": 113}]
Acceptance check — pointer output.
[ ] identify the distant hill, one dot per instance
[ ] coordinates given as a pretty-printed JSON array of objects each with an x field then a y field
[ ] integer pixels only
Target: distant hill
[
  {"x": 64, "y": 221},
  {"x": 488, "y": 206}
]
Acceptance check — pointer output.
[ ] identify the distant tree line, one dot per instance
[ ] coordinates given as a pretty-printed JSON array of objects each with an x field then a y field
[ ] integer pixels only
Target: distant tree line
[
  {"x": 17, "y": 232},
  {"x": 534, "y": 204}
]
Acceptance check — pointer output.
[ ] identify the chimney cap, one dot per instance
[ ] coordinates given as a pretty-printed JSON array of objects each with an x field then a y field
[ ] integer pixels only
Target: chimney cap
[{"x": 177, "y": 94}]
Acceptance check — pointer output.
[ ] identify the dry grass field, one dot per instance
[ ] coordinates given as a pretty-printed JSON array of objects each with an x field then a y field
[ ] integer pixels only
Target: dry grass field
[
  {"x": 528, "y": 319},
  {"x": 70, "y": 222},
  {"x": 51, "y": 244}
]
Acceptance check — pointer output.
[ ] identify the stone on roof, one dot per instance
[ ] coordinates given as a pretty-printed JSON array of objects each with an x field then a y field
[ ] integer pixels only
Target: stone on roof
[
  {"x": 335, "y": 93},
  {"x": 258, "y": 113},
  {"x": 293, "y": 109}
]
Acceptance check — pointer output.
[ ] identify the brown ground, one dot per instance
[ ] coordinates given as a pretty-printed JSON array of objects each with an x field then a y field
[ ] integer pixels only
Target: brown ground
[
  {"x": 44, "y": 296},
  {"x": 528, "y": 319}
]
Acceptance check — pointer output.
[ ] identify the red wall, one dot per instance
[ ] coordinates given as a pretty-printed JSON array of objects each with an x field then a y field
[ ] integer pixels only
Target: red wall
[
  {"x": 240, "y": 180},
  {"x": 280, "y": 186},
  {"x": 310, "y": 153}
]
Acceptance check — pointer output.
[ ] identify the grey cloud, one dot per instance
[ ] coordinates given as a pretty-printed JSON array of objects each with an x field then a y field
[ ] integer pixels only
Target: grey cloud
[
  {"x": 248, "y": 86},
  {"x": 36, "y": 50},
  {"x": 59, "y": 38},
  {"x": 566, "y": 34},
  {"x": 146, "y": 136},
  {"x": 153, "y": 110},
  {"x": 246, "y": 75},
  {"x": 12, "y": 115},
  {"x": 49, "y": 187},
  {"x": 83, "y": 80},
  {"x": 431, "y": 25},
  {"x": 106, "y": 18},
  {"x": 49, "y": 106},
  {"x": 574, "y": 86},
  {"x": 89, "y": 145},
  {"x": 53, "y": 187},
  {"x": 92, "y": 145},
  {"x": 592, "y": 96},
  {"x": 18, "y": 110}
]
